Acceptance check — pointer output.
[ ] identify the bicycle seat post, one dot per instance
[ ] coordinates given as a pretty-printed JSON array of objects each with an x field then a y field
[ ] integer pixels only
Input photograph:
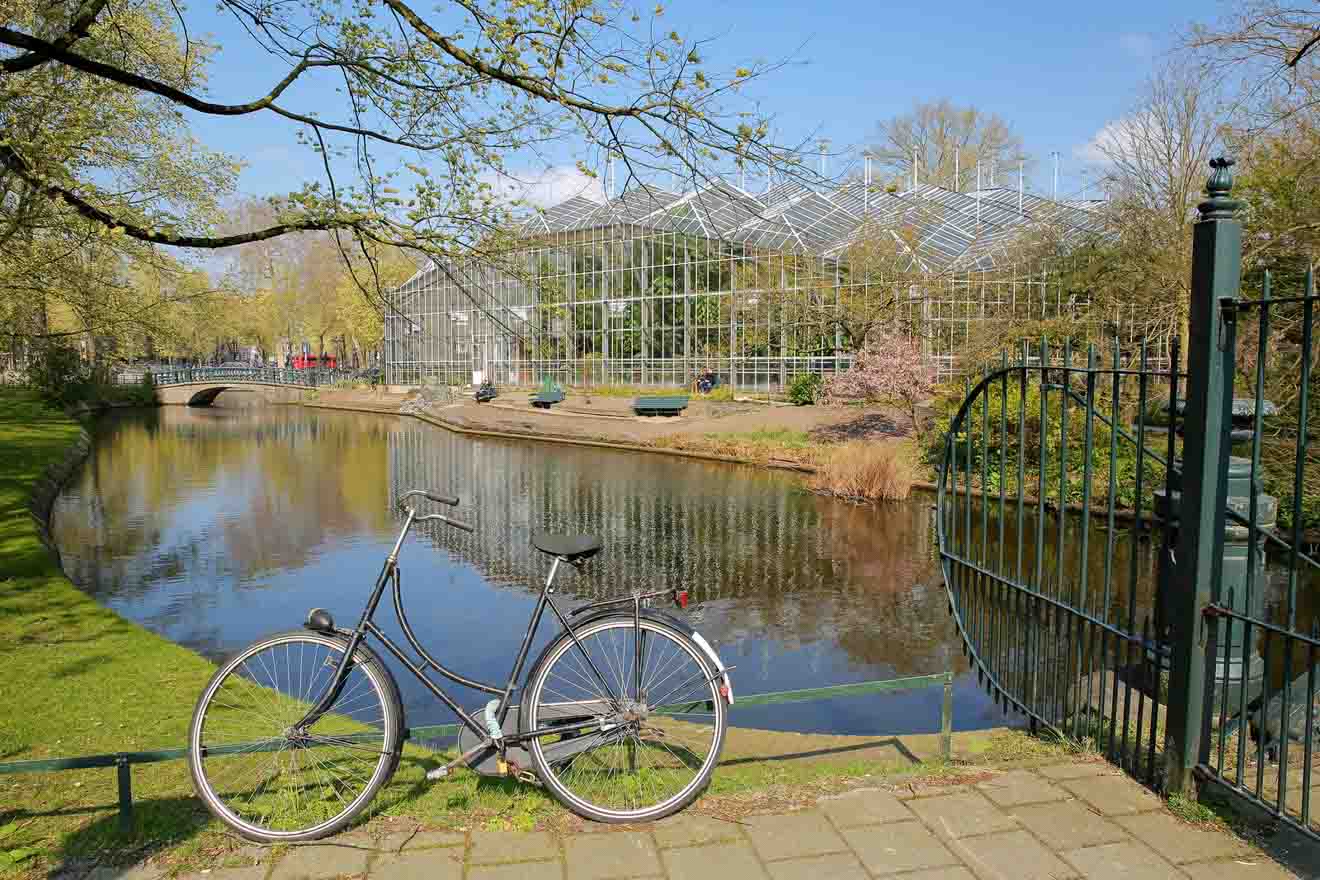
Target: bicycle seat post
[{"x": 550, "y": 578}]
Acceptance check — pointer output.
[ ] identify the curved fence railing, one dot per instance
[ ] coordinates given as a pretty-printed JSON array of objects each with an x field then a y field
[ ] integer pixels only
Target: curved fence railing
[{"x": 1054, "y": 470}]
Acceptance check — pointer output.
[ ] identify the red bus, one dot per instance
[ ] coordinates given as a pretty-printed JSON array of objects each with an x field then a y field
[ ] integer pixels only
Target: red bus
[{"x": 313, "y": 361}]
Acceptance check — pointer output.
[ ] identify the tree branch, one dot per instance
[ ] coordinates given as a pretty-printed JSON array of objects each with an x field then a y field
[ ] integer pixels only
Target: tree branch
[
  {"x": 78, "y": 29},
  {"x": 14, "y": 162},
  {"x": 1306, "y": 47}
]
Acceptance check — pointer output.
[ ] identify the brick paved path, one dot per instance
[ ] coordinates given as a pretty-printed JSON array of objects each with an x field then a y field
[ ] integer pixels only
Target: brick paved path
[{"x": 1074, "y": 820}]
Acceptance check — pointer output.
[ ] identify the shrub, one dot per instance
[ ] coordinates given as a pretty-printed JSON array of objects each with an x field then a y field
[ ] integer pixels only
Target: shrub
[
  {"x": 719, "y": 393},
  {"x": 867, "y": 471},
  {"x": 147, "y": 388},
  {"x": 59, "y": 374},
  {"x": 805, "y": 389}
]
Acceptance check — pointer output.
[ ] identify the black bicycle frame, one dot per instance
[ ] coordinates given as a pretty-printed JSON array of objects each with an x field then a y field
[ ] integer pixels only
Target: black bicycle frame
[{"x": 366, "y": 626}]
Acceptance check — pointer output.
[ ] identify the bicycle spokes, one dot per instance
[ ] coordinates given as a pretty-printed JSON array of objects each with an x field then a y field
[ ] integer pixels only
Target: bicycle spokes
[
  {"x": 268, "y": 771},
  {"x": 635, "y": 755}
]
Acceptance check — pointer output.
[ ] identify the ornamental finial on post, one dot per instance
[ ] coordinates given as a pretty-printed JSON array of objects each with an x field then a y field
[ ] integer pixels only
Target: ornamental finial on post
[{"x": 1219, "y": 205}]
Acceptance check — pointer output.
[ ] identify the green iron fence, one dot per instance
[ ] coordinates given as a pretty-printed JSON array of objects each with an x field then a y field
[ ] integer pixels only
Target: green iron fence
[
  {"x": 1124, "y": 543},
  {"x": 1262, "y": 636},
  {"x": 1046, "y": 522},
  {"x": 437, "y": 733}
]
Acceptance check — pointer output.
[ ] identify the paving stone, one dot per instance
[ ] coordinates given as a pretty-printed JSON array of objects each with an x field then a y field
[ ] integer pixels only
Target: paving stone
[
  {"x": 693, "y": 829},
  {"x": 432, "y": 864},
  {"x": 248, "y": 855},
  {"x": 520, "y": 871},
  {"x": 901, "y": 846},
  {"x": 958, "y": 815},
  {"x": 251, "y": 872},
  {"x": 1179, "y": 842},
  {"x": 1076, "y": 769},
  {"x": 1125, "y": 861},
  {"x": 603, "y": 856},
  {"x": 408, "y": 841},
  {"x": 727, "y": 862},
  {"x": 1257, "y": 867},
  {"x": 1020, "y": 787},
  {"x": 508, "y": 846},
  {"x": 1016, "y": 854},
  {"x": 1068, "y": 825},
  {"x": 321, "y": 860},
  {"x": 840, "y": 866},
  {"x": 865, "y": 807},
  {"x": 1113, "y": 795},
  {"x": 956, "y": 873},
  {"x": 132, "y": 872},
  {"x": 804, "y": 833}
]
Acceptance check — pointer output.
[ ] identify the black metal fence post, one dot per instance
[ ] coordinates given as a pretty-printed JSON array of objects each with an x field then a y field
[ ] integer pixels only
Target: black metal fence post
[{"x": 1216, "y": 275}]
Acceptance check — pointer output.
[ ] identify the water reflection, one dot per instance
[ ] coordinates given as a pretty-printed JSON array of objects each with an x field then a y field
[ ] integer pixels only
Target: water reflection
[{"x": 215, "y": 526}]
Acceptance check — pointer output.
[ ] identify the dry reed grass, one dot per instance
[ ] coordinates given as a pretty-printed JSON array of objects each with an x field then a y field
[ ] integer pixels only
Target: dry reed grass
[{"x": 865, "y": 470}]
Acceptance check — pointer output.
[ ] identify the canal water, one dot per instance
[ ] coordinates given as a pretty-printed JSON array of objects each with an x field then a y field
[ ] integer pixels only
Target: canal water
[{"x": 215, "y": 526}]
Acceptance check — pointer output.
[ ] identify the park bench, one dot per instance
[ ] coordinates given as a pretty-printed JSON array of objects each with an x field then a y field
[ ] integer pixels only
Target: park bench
[
  {"x": 547, "y": 399},
  {"x": 660, "y": 406}
]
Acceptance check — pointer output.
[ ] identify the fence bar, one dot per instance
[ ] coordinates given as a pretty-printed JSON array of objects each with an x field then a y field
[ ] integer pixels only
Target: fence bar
[{"x": 125, "y": 773}]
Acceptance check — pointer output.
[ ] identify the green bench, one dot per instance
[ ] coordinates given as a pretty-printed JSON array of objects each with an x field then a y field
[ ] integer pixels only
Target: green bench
[
  {"x": 660, "y": 406},
  {"x": 547, "y": 399}
]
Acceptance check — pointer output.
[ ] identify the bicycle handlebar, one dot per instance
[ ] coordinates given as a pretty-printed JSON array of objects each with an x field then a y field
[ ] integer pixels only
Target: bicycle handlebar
[{"x": 451, "y": 500}]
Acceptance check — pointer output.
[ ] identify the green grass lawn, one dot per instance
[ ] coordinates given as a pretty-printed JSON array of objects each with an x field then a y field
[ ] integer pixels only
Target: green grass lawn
[{"x": 78, "y": 679}]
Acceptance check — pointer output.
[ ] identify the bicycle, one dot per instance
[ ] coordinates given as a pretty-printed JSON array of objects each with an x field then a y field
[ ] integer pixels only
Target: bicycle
[{"x": 291, "y": 739}]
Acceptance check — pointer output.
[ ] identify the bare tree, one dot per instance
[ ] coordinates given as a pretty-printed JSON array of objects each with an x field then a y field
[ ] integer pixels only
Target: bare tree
[
  {"x": 947, "y": 142},
  {"x": 1274, "y": 48},
  {"x": 1154, "y": 166}
]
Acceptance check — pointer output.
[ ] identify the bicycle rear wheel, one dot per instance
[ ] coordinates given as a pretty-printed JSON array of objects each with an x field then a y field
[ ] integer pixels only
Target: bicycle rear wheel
[
  {"x": 628, "y": 753},
  {"x": 270, "y": 780}
]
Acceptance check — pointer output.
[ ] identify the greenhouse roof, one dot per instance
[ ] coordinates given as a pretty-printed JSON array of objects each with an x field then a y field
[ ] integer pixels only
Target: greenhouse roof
[{"x": 943, "y": 230}]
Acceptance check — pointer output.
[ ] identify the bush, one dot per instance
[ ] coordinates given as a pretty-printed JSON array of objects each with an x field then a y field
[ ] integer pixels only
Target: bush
[
  {"x": 60, "y": 375},
  {"x": 864, "y": 470},
  {"x": 805, "y": 389}
]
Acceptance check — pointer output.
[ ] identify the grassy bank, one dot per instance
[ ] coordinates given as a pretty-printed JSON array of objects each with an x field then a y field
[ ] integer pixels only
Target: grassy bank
[
  {"x": 78, "y": 679},
  {"x": 759, "y": 446}
]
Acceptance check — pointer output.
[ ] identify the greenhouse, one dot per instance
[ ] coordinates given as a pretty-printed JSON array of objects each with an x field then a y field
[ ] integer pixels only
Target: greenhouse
[{"x": 653, "y": 287}]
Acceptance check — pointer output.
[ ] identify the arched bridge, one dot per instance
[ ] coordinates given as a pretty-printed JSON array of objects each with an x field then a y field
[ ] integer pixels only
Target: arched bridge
[{"x": 200, "y": 386}]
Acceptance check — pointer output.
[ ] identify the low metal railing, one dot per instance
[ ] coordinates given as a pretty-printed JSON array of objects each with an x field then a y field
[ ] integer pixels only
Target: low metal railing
[
  {"x": 124, "y": 761},
  {"x": 311, "y": 378}
]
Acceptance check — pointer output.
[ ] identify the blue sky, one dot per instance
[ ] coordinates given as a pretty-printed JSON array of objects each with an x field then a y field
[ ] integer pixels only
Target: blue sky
[{"x": 1057, "y": 72}]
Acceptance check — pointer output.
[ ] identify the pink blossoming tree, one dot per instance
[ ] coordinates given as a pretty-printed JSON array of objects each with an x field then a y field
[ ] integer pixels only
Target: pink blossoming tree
[{"x": 889, "y": 368}]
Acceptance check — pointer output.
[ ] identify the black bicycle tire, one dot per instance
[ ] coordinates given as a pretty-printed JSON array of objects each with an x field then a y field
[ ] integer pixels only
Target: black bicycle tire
[
  {"x": 395, "y": 734},
  {"x": 532, "y": 691}
]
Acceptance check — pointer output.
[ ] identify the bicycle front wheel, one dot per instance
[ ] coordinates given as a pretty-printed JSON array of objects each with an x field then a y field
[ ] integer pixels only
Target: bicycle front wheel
[
  {"x": 642, "y": 715},
  {"x": 272, "y": 780}
]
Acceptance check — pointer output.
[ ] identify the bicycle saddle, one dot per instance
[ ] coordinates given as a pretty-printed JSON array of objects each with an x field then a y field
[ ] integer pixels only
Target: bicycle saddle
[{"x": 573, "y": 548}]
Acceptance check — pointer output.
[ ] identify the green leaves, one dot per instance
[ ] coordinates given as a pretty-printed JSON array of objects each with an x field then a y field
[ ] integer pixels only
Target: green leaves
[{"x": 17, "y": 855}]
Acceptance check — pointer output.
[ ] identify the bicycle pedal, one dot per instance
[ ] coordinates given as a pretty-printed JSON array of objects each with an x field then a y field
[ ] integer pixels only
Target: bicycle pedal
[{"x": 437, "y": 774}]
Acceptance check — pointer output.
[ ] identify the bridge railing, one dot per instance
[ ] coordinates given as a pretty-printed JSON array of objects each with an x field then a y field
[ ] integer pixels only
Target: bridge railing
[{"x": 313, "y": 378}]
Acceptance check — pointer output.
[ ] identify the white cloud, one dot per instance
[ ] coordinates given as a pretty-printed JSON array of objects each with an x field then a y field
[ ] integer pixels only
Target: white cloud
[
  {"x": 1137, "y": 44},
  {"x": 1117, "y": 137},
  {"x": 546, "y": 188}
]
